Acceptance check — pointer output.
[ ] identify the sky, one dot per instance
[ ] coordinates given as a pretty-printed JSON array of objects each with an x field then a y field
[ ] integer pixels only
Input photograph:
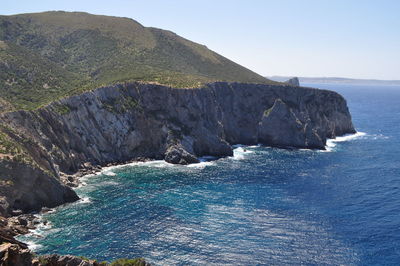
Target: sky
[{"x": 311, "y": 38}]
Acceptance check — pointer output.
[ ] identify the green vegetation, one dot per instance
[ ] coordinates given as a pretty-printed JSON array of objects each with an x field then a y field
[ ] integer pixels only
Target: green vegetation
[
  {"x": 267, "y": 112},
  {"x": 8, "y": 147},
  {"x": 62, "y": 109},
  {"x": 43, "y": 261},
  {"x": 83, "y": 258},
  {"x": 50, "y": 55},
  {"x": 128, "y": 262},
  {"x": 122, "y": 105},
  {"x": 28, "y": 80},
  {"x": 11, "y": 148}
]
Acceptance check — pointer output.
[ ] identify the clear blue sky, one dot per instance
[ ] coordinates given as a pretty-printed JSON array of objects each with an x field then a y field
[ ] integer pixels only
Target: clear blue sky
[{"x": 345, "y": 38}]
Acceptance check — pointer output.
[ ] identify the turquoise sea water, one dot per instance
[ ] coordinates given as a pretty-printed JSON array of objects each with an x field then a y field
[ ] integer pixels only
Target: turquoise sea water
[{"x": 262, "y": 206}]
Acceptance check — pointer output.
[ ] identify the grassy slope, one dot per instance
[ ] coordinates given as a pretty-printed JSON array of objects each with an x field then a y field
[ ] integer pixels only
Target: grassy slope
[
  {"x": 45, "y": 56},
  {"x": 28, "y": 80}
]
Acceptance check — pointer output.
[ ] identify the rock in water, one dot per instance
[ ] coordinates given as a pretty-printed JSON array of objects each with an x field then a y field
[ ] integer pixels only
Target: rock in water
[
  {"x": 293, "y": 81},
  {"x": 177, "y": 155}
]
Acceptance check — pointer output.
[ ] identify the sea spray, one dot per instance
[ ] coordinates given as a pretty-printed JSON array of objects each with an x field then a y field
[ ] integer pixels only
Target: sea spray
[{"x": 331, "y": 143}]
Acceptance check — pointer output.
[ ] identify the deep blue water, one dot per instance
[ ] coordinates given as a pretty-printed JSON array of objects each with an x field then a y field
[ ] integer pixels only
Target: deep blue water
[{"x": 263, "y": 206}]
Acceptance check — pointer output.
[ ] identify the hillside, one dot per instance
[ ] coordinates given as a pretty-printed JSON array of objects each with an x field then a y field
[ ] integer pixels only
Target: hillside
[{"x": 45, "y": 56}]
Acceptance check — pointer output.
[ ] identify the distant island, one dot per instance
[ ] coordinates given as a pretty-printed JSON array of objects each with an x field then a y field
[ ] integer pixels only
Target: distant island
[{"x": 337, "y": 80}]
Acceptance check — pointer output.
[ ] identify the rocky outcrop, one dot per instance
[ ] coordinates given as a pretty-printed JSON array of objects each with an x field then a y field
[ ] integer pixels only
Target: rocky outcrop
[
  {"x": 120, "y": 123},
  {"x": 281, "y": 127},
  {"x": 4, "y": 105},
  {"x": 178, "y": 155},
  {"x": 27, "y": 188},
  {"x": 8, "y": 229},
  {"x": 13, "y": 254},
  {"x": 16, "y": 255},
  {"x": 66, "y": 260},
  {"x": 293, "y": 81}
]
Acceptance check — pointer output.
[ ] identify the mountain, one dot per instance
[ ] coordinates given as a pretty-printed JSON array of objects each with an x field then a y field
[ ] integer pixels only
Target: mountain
[
  {"x": 333, "y": 80},
  {"x": 45, "y": 56}
]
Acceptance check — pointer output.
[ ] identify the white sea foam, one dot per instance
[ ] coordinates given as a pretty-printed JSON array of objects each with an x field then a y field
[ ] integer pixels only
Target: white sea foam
[
  {"x": 201, "y": 164},
  {"x": 238, "y": 146},
  {"x": 108, "y": 170},
  {"x": 109, "y": 173},
  {"x": 42, "y": 228},
  {"x": 81, "y": 184},
  {"x": 155, "y": 163},
  {"x": 378, "y": 136},
  {"x": 255, "y": 146},
  {"x": 33, "y": 246},
  {"x": 84, "y": 200},
  {"x": 158, "y": 164},
  {"x": 239, "y": 152},
  {"x": 306, "y": 150},
  {"x": 331, "y": 143}
]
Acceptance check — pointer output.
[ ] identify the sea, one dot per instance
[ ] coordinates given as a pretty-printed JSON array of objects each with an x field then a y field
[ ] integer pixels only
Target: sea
[{"x": 263, "y": 206}]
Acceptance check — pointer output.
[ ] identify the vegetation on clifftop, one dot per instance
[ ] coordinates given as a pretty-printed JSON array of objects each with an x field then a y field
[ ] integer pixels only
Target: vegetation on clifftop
[{"x": 49, "y": 55}]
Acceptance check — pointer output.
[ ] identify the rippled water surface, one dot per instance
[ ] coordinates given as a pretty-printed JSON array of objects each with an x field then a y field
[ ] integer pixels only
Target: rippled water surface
[{"x": 262, "y": 206}]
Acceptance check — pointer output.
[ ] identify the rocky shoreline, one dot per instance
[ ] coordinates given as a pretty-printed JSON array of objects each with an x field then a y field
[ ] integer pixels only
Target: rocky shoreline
[
  {"x": 22, "y": 224},
  {"x": 14, "y": 252}
]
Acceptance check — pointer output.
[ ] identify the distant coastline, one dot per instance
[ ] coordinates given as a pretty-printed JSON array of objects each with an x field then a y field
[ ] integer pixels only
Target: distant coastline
[{"x": 337, "y": 80}]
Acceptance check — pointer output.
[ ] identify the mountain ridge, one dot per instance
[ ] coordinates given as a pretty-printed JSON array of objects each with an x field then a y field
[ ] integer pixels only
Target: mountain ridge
[{"x": 88, "y": 51}]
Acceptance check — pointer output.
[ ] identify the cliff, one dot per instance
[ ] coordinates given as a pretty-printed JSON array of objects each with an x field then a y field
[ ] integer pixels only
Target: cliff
[{"x": 125, "y": 122}]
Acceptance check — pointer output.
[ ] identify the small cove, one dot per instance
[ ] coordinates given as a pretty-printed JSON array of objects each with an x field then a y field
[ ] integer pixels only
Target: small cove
[{"x": 262, "y": 206}]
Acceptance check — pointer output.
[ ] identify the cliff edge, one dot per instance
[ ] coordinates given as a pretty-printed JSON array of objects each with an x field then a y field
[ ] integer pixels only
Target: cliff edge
[{"x": 131, "y": 121}]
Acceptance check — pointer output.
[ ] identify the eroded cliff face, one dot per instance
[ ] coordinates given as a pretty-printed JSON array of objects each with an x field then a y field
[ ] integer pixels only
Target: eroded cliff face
[
  {"x": 132, "y": 121},
  {"x": 28, "y": 188}
]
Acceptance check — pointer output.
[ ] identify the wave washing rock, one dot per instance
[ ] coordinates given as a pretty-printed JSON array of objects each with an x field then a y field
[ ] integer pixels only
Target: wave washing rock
[{"x": 120, "y": 123}]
